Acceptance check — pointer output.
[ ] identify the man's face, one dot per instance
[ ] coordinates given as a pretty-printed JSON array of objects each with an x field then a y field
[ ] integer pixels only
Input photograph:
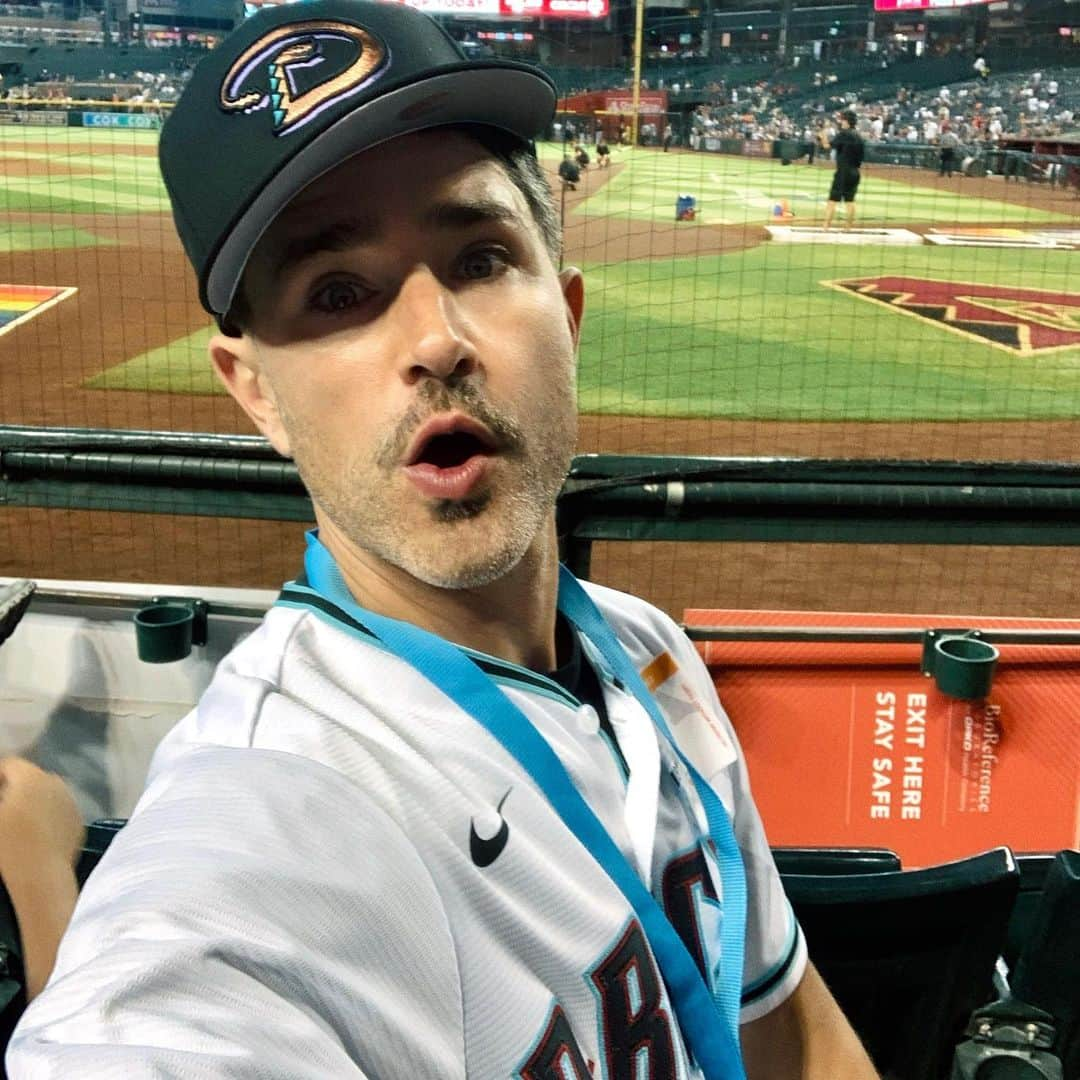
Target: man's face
[{"x": 412, "y": 348}]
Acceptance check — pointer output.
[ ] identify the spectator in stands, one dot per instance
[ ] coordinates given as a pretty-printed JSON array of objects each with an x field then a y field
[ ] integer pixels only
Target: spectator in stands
[
  {"x": 41, "y": 835},
  {"x": 850, "y": 150},
  {"x": 982, "y": 68}
]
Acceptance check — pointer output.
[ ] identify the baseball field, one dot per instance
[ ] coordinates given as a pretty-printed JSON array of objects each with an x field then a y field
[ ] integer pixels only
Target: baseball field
[{"x": 946, "y": 325}]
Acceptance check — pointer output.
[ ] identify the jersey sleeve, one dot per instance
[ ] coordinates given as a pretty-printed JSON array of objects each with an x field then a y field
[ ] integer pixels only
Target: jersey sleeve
[
  {"x": 775, "y": 953},
  {"x": 229, "y": 931}
]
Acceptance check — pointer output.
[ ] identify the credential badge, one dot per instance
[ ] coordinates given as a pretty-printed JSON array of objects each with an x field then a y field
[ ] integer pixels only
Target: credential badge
[{"x": 280, "y": 55}]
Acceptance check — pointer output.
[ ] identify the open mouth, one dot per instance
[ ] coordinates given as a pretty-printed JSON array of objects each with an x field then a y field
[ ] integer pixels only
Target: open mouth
[
  {"x": 450, "y": 457},
  {"x": 452, "y": 449}
]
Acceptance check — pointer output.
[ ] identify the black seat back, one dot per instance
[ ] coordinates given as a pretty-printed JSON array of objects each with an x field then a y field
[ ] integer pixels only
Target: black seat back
[
  {"x": 99, "y": 836},
  {"x": 835, "y": 860},
  {"x": 1047, "y": 974},
  {"x": 909, "y": 954}
]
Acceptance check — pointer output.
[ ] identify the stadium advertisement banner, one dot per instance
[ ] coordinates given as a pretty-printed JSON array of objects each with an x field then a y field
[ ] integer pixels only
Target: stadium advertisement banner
[
  {"x": 556, "y": 9},
  {"x": 38, "y": 118},
  {"x": 651, "y": 103},
  {"x": 548, "y": 9},
  {"x": 849, "y": 742},
  {"x": 757, "y": 147},
  {"x": 923, "y": 5},
  {"x": 120, "y": 120}
]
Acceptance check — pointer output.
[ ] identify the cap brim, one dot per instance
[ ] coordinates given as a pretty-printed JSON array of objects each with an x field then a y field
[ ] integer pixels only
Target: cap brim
[{"x": 513, "y": 98}]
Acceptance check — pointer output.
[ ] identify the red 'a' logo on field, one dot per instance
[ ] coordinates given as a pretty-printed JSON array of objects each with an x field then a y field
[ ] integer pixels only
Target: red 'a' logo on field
[{"x": 1023, "y": 321}]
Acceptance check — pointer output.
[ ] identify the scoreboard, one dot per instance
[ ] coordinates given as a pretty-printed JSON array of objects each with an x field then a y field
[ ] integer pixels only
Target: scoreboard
[
  {"x": 923, "y": 5},
  {"x": 513, "y": 9}
]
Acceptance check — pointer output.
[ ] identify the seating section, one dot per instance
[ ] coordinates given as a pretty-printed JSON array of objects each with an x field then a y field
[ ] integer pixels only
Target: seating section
[
  {"x": 1047, "y": 973},
  {"x": 909, "y": 954}
]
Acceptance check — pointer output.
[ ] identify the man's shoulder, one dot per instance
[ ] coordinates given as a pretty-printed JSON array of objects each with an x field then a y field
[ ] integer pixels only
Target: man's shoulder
[
  {"x": 273, "y": 690},
  {"x": 642, "y": 628}
]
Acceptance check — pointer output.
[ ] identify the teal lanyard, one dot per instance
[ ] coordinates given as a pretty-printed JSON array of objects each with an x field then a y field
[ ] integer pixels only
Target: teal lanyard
[{"x": 710, "y": 1024}]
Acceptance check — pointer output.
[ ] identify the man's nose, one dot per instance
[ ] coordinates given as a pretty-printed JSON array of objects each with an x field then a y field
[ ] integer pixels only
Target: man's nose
[{"x": 435, "y": 343}]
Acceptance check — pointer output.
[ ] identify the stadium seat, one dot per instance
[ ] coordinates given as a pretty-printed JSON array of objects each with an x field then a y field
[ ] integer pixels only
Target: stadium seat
[
  {"x": 1033, "y": 872},
  {"x": 910, "y": 954},
  {"x": 835, "y": 860},
  {"x": 99, "y": 836},
  {"x": 1033, "y": 1033},
  {"x": 1048, "y": 972}
]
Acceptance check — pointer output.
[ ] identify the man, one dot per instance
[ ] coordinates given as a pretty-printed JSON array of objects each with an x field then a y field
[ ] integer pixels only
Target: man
[
  {"x": 948, "y": 144},
  {"x": 427, "y": 821},
  {"x": 569, "y": 173},
  {"x": 849, "y": 149}
]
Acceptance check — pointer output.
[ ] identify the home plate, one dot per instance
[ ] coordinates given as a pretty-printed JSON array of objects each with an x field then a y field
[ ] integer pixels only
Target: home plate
[{"x": 815, "y": 234}]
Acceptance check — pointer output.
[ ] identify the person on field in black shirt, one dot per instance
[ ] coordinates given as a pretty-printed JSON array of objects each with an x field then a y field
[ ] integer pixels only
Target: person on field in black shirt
[{"x": 849, "y": 149}]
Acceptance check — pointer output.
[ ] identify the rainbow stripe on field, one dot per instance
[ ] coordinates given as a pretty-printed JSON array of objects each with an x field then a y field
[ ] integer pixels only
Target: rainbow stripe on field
[{"x": 20, "y": 303}]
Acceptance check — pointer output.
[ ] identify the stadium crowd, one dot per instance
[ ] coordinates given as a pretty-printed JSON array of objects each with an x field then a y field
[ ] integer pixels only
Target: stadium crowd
[
  {"x": 978, "y": 112},
  {"x": 797, "y": 100}
]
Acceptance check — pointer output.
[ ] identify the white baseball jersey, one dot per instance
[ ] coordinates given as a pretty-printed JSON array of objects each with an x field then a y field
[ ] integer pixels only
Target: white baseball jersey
[{"x": 334, "y": 871}]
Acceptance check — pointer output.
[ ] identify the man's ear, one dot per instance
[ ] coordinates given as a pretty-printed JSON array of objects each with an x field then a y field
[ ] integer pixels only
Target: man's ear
[
  {"x": 236, "y": 364},
  {"x": 573, "y": 290}
]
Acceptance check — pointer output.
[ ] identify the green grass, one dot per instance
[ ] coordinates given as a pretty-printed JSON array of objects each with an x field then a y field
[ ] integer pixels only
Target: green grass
[
  {"x": 122, "y": 181},
  {"x": 754, "y": 335},
  {"x": 181, "y": 367},
  {"x": 743, "y": 191},
  {"x": 46, "y": 237},
  {"x": 750, "y": 334}
]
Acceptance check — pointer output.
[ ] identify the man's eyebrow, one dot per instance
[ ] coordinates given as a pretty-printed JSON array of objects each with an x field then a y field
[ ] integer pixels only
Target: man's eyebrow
[
  {"x": 461, "y": 214},
  {"x": 352, "y": 232},
  {"x": 338, "y": 236}
]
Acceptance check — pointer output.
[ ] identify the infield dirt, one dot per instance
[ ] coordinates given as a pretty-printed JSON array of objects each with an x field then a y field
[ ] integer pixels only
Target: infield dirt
[{"x": 138, "y": 293}]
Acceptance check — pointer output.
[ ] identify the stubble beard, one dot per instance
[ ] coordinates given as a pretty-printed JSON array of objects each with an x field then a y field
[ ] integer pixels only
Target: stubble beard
[{"x": 462, "y": 544}]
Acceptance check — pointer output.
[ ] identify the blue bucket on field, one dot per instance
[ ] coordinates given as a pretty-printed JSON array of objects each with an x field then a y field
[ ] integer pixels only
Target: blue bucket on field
[{"x": 685, "y": 208}]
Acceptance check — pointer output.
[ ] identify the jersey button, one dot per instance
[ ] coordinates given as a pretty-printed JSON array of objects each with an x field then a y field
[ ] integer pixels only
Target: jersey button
[{"x": 588, "y": 720}]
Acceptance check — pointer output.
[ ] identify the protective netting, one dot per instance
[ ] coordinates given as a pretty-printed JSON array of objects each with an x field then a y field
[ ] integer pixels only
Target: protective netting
[{"x": 941, "y": 322}]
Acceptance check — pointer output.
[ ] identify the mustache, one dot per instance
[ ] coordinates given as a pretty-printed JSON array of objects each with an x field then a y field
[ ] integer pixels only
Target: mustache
[{"x": 436, "y": 397}]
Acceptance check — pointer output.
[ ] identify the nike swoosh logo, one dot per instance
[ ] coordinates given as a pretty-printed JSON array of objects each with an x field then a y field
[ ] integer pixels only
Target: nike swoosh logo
[{"x": 485, "y": 852}]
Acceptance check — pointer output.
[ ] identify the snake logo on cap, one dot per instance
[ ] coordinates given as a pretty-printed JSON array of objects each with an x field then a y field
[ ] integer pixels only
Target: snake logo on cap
[{"x": 279, "y": 56}]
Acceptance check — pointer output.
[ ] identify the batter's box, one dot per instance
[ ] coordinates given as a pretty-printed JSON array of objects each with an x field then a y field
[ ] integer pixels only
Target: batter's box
[
  {"x": 21, "y": 303},
  {"x": 815, "y": 234}
]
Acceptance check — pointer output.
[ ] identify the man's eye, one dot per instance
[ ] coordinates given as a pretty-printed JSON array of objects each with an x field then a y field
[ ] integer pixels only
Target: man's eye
[
  {"x": 338, "y": 296},
  {"x": 485, "y": 263}
]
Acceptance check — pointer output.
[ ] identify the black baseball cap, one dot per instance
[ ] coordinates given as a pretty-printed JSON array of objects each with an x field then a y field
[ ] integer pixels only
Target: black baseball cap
[{"x": 296, "y": 89}]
